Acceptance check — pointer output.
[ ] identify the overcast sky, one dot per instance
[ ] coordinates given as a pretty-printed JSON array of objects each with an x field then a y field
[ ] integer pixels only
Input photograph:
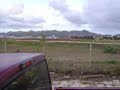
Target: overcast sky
[{"x": 100, "y": 16}]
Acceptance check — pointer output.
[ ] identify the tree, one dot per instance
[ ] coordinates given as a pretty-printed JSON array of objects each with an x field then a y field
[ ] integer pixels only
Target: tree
[{"x": 43, "y": 42}]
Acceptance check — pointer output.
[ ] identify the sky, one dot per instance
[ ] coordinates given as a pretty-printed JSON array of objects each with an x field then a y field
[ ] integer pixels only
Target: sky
[{"x": 99, "y": 16}]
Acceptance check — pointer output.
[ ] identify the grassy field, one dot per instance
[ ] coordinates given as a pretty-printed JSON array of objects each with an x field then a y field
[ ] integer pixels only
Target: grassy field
[{"x": 71, "y": 58}]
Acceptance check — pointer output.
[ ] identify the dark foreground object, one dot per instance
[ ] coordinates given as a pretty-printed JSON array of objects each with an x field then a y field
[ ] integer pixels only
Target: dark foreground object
[
  {"x": 87, "y": 88},
  {"x": 31, "y": 68}
]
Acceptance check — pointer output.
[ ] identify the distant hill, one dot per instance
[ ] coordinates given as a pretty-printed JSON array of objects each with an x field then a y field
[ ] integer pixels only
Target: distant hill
[{"x": 49, "y": 33}]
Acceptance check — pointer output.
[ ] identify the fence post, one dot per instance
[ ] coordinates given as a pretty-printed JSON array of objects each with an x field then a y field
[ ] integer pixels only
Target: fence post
[
  {"x": 5, "y": 44},
  {"x": 90, "y": 54}
]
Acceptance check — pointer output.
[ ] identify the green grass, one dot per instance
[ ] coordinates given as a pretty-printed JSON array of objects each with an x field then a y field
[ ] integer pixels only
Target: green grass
[
  {"x": 23, "y": 46},
  {"x": 107, "y": 62}
]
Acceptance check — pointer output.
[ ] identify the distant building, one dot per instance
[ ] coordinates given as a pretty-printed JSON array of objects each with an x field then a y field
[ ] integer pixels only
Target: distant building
[
  {"x": 110, "y": 37},
  {"x": 52, "y": 37},
  {"x": 98, "y": 37}
]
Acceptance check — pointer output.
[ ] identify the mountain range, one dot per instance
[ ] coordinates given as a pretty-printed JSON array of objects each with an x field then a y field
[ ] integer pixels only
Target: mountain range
[{"x": 49, "y": 33}]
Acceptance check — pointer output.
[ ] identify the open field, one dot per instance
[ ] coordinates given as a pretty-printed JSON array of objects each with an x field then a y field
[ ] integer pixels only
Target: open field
[{"x": 72, "y": 59}]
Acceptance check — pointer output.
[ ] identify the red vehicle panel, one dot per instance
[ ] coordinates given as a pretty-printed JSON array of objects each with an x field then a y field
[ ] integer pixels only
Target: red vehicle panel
[{"x": 10, "y": 65}]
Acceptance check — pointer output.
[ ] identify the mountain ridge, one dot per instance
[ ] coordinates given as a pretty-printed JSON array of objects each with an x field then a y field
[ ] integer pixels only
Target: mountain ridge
[{"x": 49, "y": 33}]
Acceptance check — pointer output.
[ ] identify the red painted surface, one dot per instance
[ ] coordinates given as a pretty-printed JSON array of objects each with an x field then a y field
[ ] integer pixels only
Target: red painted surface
[
  {"x": 28, "y": 63},
  {"x": 9, "y": 63},
  {"x": 5, "y": 75}
]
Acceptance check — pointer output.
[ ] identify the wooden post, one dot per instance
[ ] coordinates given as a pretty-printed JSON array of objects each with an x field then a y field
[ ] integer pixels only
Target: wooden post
[
  {"x": 5, "y": 44},
  {"x": 90, "y": 54}
]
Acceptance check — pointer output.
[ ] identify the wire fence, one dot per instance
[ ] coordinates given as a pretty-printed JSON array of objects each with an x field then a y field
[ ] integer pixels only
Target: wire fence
[
  {"x": 72, "y": 58},
  {"x": 76, "y": 59}
]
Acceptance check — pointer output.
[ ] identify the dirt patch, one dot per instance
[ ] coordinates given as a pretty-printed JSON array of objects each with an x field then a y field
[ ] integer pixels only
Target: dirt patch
[{"x": 84, "y": 83}]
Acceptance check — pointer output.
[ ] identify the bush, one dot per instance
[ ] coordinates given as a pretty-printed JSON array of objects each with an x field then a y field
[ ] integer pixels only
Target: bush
[
  {"x": 17, "y": 51},
  {"x": 110, "y": 49},
  {"x": 105, "y": 62}
]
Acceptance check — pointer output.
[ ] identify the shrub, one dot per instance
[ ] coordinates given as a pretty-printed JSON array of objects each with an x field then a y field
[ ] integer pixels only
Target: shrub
[
  {"x": 105, "y": 62},
  {"x": 110, "y": 49},
  {"x": 17, "y": 51}
]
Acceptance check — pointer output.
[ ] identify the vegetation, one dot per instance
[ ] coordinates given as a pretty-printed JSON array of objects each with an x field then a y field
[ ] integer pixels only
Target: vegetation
[
  {"x": 71, "y": 58},
  {"x": 106, "y": 62},
  {"x": 110, "y": 49},
  {"x": 43, "y": 42}
]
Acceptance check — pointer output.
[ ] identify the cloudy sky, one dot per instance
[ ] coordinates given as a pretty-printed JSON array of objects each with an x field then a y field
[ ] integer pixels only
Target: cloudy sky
[{"x": 100, "y": 16}]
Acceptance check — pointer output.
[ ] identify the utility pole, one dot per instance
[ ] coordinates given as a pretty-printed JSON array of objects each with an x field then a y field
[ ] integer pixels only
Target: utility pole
[{"x": 90, "y": 54}]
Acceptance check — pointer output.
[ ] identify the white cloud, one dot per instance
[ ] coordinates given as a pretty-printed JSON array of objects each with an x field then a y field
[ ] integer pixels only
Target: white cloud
[
  {"x": 9, "y": 7},
  {"x": 103, "y": 15},
  {"x": 12, "y": 16},
  {"x": 71, "y": 15},
  {"x": 95, "y": 15}
]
